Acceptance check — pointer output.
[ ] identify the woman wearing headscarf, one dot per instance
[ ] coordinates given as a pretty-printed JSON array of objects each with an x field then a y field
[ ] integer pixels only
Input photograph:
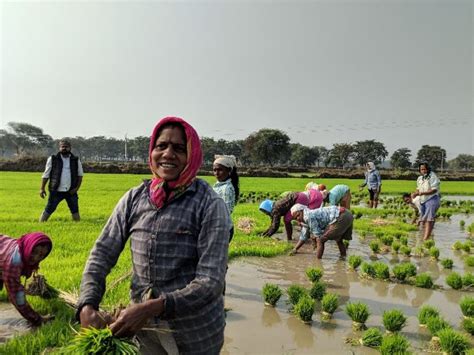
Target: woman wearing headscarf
[
  {"x": 21, "y": 257},
  {"x": 373, "y": 181},
  {"x": 339, "y": 195},
  {"x": 428, "y": 189},
  {"x": 176, "y": 225},
  {"x": 227, "y": 185},
  {"x": 326, "y": 223}
]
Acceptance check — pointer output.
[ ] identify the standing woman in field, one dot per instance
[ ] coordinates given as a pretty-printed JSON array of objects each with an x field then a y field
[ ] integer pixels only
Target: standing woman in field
[
  {"x": 427, "y": 187},
  {"x": 373, "y": 181},
  {"x": 178, "y": 229},
  {"x": 21, "y": 257},
  {"x": 227, "y": 185}
]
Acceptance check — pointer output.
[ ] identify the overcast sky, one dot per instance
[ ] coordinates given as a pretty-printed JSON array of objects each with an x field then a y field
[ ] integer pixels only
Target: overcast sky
[{"x": 325, "y": 72}]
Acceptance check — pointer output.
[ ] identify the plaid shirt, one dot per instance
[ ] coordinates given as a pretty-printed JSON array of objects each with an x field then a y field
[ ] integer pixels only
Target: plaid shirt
[
  {"x": 179, "y": 252},
  {"x": 318, "y": 220},
  {"x": 11, "y": 267},
  {"x": 226, "y": 190}
]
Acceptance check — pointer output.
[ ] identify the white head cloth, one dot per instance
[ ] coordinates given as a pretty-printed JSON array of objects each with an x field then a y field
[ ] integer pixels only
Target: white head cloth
[
  {"x": 228, "y": 161},
  {"x": 298, "y": 207}
]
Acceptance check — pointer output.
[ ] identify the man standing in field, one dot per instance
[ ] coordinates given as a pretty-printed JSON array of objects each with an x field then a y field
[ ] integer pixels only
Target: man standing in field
[{"x": 64, "y": 172}]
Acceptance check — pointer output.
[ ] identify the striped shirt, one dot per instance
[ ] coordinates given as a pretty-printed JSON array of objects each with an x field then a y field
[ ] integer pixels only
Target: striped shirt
[
  {"x": 179, "y": 252},
  {"x": 226, "y": 191},
  {"x": 11, "y": 267},
  {"x": 318, "y": 220}
]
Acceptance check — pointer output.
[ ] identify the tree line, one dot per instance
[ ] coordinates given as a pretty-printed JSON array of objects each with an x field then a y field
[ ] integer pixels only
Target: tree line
[{"x": 268, "y": 147}]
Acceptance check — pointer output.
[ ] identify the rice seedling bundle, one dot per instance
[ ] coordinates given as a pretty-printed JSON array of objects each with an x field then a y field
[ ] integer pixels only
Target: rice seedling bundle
[
  {"x": 372, "y": 337},
  {"x": 447, "y": 263},
  {"x": 394, "y": 320},
  {"x": 396, "y": 246},
  {"x": 367, "y": 269},
  {"x": 387, "y": 240},
  {"x": 394, "y": 344},
  {"x": 382, "y": 270},
  {"x": 424, "y": 280},
  {"x": 469, "y": 261},
  {"x": 317, "y": 290},
  {"x": 434, "y": 253},
  {"x": 435, "y": 324},
  {"x": 467, "y": 248},
  {"x": 454, "y": 280},
  {"x": 100, "y": 341},
  {"x": 271, "y": 294},
  {"x": 405, "y": 250},
  {"x": 404, "y": 240},
  {"x": 374, "y": 245},
  {"x": 304, "y": 309},
  {"x": 404, "y": 270},
  {"x": 329, "y": 304},
  {"x": 354, "y": 261},
  {"x": 427, "y": 312},
  {"x": 453, "y": 342},
  {"x": 457, "y": 245},
  {"x": 468, "y": 325},
  {"x": 468, "y": 279},
  {"x": 314, "y": 274},
  {"x": 428, "y": 244},
  {"x": 359, "y": 313},
  {"x": 295, "y": 292},
  {"x": 467, "y": 306}
]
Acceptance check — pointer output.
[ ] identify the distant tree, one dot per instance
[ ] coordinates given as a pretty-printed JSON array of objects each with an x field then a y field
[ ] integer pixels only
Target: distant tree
[
  {"x": 435, "y": 156},
  {"x": 369, "y": 150},
  {"x": 138, "y": 148},
  {"x": 462, "y": 162},
  {"x": 340, "y": 155},
  {"x": 321, "y": 154},
  {"x": 7, "y": 147},
  {"x": 27, "y": 138},
  {"x": 400, "y": 158},
  {"x": 269, "y": 146},
  {"x": 302, "y": 155}
]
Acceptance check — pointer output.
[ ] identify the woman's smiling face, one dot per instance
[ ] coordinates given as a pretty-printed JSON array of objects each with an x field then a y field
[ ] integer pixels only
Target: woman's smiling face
[{"x": 169, "y": 157}]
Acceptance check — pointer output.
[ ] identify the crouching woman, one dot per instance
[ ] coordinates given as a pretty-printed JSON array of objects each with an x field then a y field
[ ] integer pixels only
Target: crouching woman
[
  {"x": 326, "y": 223},
  {"x": 21, "y": 257}
]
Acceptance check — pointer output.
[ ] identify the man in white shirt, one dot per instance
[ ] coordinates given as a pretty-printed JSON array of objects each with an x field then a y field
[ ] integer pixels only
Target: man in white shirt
[
  {"x": 415, "y": 203},
  {"x": 64, "y": 172}
]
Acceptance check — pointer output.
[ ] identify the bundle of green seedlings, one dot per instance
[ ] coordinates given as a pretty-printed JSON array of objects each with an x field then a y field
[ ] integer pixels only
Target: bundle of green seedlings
[
  {"x": 468, "y": 325},
  {"x": 405, "y": 250},
  {"x": 404, "y": 271},
  {"x": 329, "y": 304},
  {"x": 317, "y": 290},
  {"x": 396, "y": 245},
  {"x": 454, "y": 280},
  {"x": 271, "y": 294},
  {"x": 394, "y": 344},
  {"x": 314, "y": 274},
  {"x": 100, "y": 341},
  {"x": 418, "y": 251},
  {"x": 469, "y": 261},
  {"x": 354, "y": 261},
  {"x": 425, "y": 313},
  {"x": 382, "y": 271},
  {"x": 367, "y": 270},
  {"x": 447, "y": 263},
  {"x": 434, "y": 253},
  {"x": 424, "y": 280},
  {"x": 359, "y": 313},
  {"x": 467, "y": 306},
  {"x": 453, "y": 342},
  {"x": 468, "y": 280},
  {"x": 393, "y": 320},
  {"x": 372, "y": 338},
  {"x": 435, "y": 324},
  {"x": 295, "y": 292},
  {"x": 374, "y": 245},
  {"x": 462, "y": 223},
  {"x": 428, "y": 244},
  {"x": 304, "y": 309}
]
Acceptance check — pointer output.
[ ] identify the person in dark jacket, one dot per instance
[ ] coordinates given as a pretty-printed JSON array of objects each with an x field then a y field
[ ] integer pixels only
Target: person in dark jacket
[{"x": 64, "y": 172}]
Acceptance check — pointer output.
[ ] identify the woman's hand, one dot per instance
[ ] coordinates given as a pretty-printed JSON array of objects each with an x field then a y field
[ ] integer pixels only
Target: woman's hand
[
  {"x": 91, "y": 318},
  {"x": 134, "y": 317}
]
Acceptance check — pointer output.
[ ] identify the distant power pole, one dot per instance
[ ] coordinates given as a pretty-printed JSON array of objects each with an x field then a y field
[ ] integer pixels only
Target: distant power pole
[{"x": 126, "y": 152}]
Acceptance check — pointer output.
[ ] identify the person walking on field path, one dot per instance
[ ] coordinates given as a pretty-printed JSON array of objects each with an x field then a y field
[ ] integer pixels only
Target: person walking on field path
[
  {"x": 373, "y": 181},
  {"x": 64, "y": 172}
]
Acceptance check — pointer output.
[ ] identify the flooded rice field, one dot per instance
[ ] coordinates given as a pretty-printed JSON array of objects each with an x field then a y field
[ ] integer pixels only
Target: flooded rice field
[
  {"x": 11, "y": 322},
  {"x": 253, "y": 328}
]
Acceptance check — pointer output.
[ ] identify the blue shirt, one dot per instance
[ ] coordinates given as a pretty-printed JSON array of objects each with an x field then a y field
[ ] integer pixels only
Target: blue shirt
[
  {"x": 337, "y": 193},
  {"x": 372, "y": 179}
]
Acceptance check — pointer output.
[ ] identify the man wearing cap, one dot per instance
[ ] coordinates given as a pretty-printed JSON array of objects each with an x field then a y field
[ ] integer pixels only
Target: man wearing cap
[
  {"x": 64, "y": 172},
  {"x": 326, "y": 223}
]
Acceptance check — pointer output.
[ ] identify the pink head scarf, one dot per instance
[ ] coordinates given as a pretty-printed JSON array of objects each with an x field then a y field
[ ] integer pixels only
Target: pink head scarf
[
  {"x": 26, "y": 244},
  {"x": 159, "y": 187}
]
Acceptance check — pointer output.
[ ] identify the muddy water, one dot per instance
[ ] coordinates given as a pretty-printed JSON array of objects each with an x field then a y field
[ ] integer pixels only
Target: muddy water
[
  {"x": 253, "y": 328},
  {"x": 11, "y": 322}
]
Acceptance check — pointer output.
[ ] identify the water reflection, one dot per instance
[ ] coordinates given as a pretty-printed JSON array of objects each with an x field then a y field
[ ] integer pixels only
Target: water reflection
[
  {"x": 302, "y": 333},
  {"x": 270, "y": 316}
]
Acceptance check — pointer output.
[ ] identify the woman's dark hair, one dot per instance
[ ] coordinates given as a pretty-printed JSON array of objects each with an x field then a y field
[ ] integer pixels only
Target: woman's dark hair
[
  {"x": 234, "y": 178},
  {"x": 406, "y": 194},
  {"x": 426, "y": 165},
  {"x": 172, "y": 125}
]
